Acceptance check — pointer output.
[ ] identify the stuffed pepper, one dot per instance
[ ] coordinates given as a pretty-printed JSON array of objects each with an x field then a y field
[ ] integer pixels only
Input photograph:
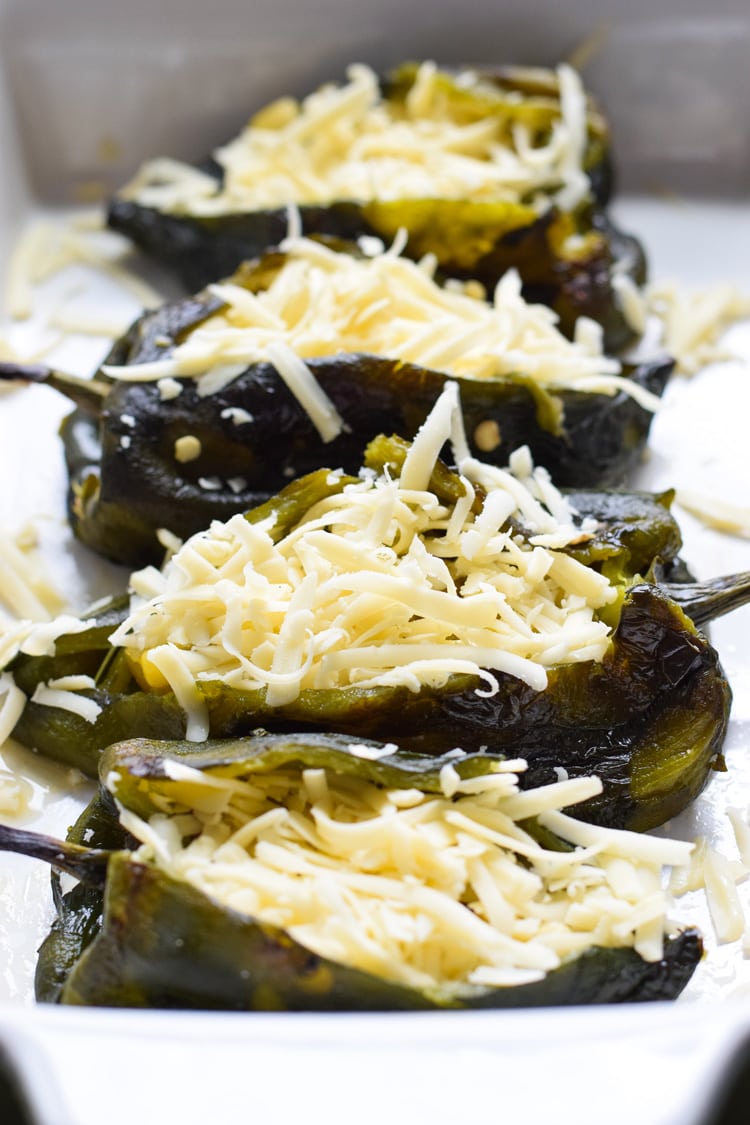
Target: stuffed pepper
[
  {"x": 303, "y": 872},
  {"x": 487, "y": 171},
  {"x": 434, "y": 609},
  {"x": 211, "y": 404}
]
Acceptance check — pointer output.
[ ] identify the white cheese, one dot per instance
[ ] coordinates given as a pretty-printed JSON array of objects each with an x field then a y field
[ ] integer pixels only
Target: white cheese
[
  {"x": 65, "y": 700},
  {"x": 16, "y": 794},
  {"x": 12, "y": 703},
  {"x": 741, "y": 829},
  {"x": 424, "y": 889},
  {"x": 322, "y": 303},
  {"x": 237, "y": 415},
  {"x": 26, "y": 589},
  {"x": 347, "y": 143},
  {"x": 723, "y": 901},
  {"x": 692, "y": 323},
  {"x": 379, "y": 584},
  {"x": 306, "y": 389},
  {"x": 715, "y": 512},
  {"x": 187, "y": 448},
  {"x": 46, "y": 248},
  {"x": 168, "y": 389}
]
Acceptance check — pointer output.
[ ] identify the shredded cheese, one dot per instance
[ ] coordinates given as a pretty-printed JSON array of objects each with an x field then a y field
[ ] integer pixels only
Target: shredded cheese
[
  {"x": 693, "y": 323},
  {"x": 12, "y": 703},
  {"x": 724, "y": 904},
  {"x": 16, "y": 794},
  {"x": 26, "y": 589},
  {"x": 733, "y": 519},
  {"x": 47, "y": 248},
  {"x": 379, "y": 584},
  {"x": 427, "y": 890},
  {"x": 349, "y": 143},
  {"x": 324, "y": 303},
  {"x": 67, "y": 700}
]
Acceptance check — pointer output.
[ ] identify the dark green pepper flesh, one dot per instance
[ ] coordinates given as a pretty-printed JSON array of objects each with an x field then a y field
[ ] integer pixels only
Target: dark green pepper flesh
[
  {"x": 121, "y": 492},
  {"x": 156, "y": 942},
  {"x": 165, "y": 945},
  {"x": 477, "y": 240},
  {"x": 650, "y": 719}
]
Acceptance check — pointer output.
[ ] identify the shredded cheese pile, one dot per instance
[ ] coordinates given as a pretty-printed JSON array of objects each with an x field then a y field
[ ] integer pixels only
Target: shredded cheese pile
[
  {"x": 323, "y": 303},
  {"x": 46, "y": 249},
  {"x": 347, "y": 143},
  {"x": 379, "y": 584},
  {"x": 26, "y": 588},
  {"x": 714, "y": 873},
  {"x": 693, "y": 323},
  {"x": 690, "y": 325},
  {"x": 422, "y": 889},
  {"x": 31, "y": 620}
]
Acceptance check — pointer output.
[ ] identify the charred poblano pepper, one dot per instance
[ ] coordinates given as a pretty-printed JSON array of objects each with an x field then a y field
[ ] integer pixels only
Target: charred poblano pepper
[
  {"x": 567, "y": 254},
  {"x": 649, "y": 718},
  {"x": 150, "y": 939},
  {"x": 251, "y": 435}
]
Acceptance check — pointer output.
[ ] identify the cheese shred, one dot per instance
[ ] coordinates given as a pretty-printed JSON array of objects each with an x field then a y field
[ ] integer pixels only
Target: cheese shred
[
  {"x": 349, "y": 143},
  {"x": 380, "y": 584},
  {"x": 429, "y": 890},
  {"x": 321, "y": 303}
]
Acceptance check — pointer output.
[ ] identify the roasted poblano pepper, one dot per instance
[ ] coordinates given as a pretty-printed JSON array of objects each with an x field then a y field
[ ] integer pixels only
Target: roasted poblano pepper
[
  {"x": 649, "y": 718},
  {"x": 566, "y": 258},
  {"x": 125, "y": 480},
  {"x": 149, "y": 939}
]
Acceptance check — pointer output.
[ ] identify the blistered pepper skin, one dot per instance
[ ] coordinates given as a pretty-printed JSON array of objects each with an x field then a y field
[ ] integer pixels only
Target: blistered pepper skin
[
  {"x": 565, "y": 259},
  {"x": 126, "y": 481},
  {"x": 650, "y": 719},
  {"x": 151, "y": 941}
]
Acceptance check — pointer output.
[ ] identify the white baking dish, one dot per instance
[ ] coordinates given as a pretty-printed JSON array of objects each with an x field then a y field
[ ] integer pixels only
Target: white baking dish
[{"x": 85, "y": 93}]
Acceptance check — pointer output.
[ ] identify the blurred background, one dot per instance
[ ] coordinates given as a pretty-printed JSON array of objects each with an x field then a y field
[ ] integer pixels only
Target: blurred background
[{"x": 94, "y": 87}]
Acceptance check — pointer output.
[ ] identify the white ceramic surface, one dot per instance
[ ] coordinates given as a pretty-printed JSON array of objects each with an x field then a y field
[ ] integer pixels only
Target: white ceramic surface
[{"x": 657, "y": 1064}]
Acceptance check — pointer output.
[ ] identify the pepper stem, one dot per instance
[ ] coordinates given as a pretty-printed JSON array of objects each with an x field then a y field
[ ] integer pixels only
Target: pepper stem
[
  {"x": 87, "y": 864},
  {"x": 86, "y": 393},
  {"x": 705, "y": 601}
]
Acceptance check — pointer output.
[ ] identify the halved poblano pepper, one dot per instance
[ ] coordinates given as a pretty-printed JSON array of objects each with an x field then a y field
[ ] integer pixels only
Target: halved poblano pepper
[
  {"x": 649, "y": 718},
  {"x": 151, "y": 939},
  {"x": 567, "y": 254},
  {"x": 128, "y": 476}
]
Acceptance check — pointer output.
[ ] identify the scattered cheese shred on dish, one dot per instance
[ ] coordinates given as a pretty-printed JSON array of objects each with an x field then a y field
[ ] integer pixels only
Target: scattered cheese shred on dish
[
  {"x": 15, "y": 794},
  {"x": 348, "y": 143},
  {"x": 430, "y": 891},
  {"x": 47, "y": 248},
  {"x": 378, "y": 584},
  {"x": 323, "y": 303},
  {"x": 12, "y": 703},
  {"x": 693, "y": 323},
  {"x": 734, "y": 519},
  {"x": 724, "y": 906},
  {"x": 710, "y": 871},
  {"x": 26, "y": 589},
  {"x": 31, "y": 617}
]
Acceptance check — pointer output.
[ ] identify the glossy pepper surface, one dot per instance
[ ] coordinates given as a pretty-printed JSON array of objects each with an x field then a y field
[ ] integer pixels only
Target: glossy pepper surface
[
  {"x": 125, "y": 481},
  {"x": 649, "y": 718},
  {"x": 149, "y": 940},
  {"x": 566, "y": 258}
]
